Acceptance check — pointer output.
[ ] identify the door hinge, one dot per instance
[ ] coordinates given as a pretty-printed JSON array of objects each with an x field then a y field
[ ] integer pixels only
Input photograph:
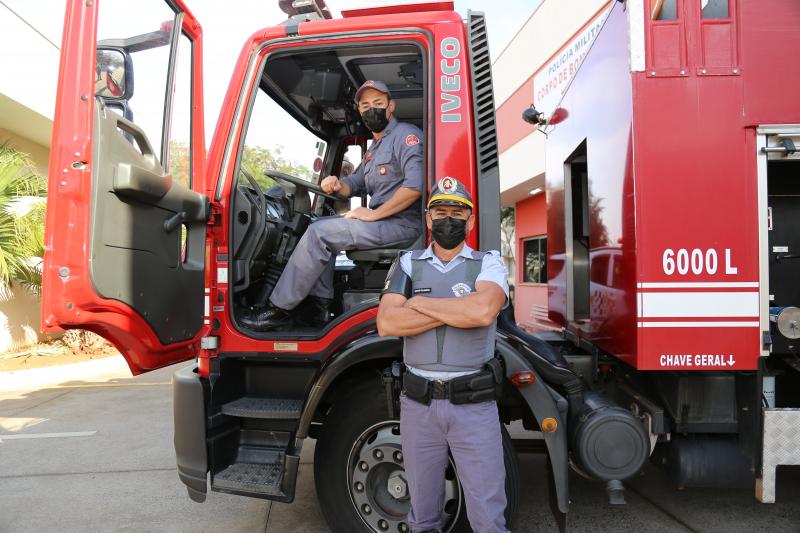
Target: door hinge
[{"x": 209, "y": 343}]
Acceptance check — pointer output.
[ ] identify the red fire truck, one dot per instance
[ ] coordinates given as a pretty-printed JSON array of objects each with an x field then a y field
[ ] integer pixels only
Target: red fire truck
[
  {"x": 672, "y": 208},
  {"x": 161, "y": 249}
]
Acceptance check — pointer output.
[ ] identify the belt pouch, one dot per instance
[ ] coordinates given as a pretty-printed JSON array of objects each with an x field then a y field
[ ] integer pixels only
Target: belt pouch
[
  {"x": 474, "y": 388},
  {"x": 417, "y": 388}
]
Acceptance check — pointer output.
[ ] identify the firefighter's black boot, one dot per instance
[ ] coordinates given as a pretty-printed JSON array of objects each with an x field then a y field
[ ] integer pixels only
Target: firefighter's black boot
[
  {"x": 317, "y": 311},
  {"x": 267, "y": 318}
]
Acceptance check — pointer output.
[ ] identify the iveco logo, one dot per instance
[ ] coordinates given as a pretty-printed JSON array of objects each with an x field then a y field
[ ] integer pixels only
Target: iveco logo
[{"x": 450, "y": 82}]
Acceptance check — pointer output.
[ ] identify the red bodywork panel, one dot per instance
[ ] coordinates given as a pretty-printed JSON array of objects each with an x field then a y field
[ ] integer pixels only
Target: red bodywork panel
[
  {"x": 68, "y": 298},
  {"x": 673, "y": 180}
]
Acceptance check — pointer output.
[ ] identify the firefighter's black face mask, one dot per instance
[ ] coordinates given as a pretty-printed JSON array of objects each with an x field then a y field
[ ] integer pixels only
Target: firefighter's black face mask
[
  {"x": 375, "y": 119},
  {"x": 448, "y": 232}
]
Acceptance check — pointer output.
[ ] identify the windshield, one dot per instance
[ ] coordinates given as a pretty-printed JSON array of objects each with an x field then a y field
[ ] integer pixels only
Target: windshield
[{"x": 276, "y": 141}]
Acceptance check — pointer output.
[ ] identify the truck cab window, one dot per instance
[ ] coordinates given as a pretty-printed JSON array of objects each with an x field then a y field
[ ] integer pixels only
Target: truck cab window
[
  {"x": 352, "y": 159},
  {"x": 147, "y": 37},
  {"x": 276, "y": 140},
  {"x": 180, "y": 128}
]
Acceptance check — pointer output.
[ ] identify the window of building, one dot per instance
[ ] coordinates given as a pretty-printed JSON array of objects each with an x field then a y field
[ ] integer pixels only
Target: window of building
[
  {"x": 714, "y": 9},
  {"x": 535, "y": 253}
]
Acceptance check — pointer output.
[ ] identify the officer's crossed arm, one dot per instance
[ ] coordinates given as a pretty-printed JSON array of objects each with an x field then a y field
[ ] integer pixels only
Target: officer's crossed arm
[
  {"x": 471, "y": 311},
  {"x": 394, "y": 317}
]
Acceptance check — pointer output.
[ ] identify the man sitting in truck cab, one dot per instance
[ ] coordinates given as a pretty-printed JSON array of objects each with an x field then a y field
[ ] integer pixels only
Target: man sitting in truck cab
[{"x": 392, "y": 175}]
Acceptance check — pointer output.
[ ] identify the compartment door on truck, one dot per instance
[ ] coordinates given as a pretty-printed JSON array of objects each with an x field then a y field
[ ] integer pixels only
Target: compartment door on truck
[{"x": 125, "y": 236}]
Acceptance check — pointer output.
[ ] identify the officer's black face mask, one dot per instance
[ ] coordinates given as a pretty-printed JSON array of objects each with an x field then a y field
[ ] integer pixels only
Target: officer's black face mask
[
  {"x": 449, "y": 232},
  {"x": 375, "y": 119}
]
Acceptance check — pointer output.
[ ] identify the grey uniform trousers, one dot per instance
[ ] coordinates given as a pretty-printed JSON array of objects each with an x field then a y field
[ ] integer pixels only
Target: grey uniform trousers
[
  {"x": 472, "y": 432},
  {"x": 310, "y": 268}
]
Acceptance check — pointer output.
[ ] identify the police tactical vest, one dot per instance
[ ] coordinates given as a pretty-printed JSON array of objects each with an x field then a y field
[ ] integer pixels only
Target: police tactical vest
[{"x": 446, "y": 348}]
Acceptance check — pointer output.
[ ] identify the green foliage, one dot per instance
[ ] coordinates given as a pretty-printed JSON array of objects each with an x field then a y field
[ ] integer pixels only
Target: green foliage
[
  {"x": 22, "y": 211},
  {"x": 507, "y": 215},
  {"x": 257, "y": 159}
]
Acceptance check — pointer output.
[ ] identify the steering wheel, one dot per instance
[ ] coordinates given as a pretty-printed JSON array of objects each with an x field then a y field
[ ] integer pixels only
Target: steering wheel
[
  {"x": 256, "y": 199},
  {"x": 301, "y": 183}
]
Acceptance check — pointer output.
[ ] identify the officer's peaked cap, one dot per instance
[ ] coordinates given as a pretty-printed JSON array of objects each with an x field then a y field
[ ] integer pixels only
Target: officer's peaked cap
[
  {"x": 373, "y": 84},
  {"x": 450, "y": 191}
]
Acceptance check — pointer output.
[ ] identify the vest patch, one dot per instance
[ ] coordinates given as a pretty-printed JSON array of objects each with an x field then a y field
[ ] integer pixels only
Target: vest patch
[
  {"x": 422, "y": 290},
  {"x": 461, "y": 289}
]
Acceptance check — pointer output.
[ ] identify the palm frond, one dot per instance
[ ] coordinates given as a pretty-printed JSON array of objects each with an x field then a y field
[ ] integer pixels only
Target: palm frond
[{"x": 22, "y": 211}]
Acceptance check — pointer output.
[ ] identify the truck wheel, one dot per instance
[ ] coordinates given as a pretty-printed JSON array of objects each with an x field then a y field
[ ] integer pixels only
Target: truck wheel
[{"x": 358, "y": 469}]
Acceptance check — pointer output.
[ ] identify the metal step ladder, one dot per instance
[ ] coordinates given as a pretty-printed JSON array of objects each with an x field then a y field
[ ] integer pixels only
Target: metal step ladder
[{"x": 267, "y": 458}]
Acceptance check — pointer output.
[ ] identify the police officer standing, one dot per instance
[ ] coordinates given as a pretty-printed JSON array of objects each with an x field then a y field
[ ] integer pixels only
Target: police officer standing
[
  {"x": 391, "y": 173},
  {"x": 444, "y": 302}
]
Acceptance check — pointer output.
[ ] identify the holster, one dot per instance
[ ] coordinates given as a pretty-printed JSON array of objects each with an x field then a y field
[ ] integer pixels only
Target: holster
[{"x": 417, "y": 388}]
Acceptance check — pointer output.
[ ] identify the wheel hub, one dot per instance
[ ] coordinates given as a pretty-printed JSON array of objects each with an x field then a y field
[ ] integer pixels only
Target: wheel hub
[
  {"x": 397, "y": 486},
  {"x": 378, "y": 486}
]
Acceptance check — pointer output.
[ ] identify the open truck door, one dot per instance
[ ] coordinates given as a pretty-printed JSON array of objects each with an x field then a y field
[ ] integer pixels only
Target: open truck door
[{"x": 125, "y": 236}]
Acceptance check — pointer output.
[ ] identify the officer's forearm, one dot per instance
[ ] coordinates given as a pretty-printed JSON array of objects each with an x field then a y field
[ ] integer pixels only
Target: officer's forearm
[
  {"x": 400, "y": 200},
  {"x": 471, "y": 311},
  {"x": 403, "y": 321}
]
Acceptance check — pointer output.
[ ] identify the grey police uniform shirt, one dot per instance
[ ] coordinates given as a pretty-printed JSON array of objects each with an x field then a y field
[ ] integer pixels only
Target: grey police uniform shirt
[
  {"x": 492, "y": 269},
  {"x": 395, "y": 161}
]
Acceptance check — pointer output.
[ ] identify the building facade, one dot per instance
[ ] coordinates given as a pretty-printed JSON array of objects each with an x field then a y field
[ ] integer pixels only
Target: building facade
[{"x": 30, "y": 55}]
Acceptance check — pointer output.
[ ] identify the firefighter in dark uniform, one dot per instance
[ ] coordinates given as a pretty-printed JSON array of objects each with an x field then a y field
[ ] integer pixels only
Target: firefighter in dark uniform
[
  {"x": 444, "y": 302},
  {"x": 392, "y": 174}
]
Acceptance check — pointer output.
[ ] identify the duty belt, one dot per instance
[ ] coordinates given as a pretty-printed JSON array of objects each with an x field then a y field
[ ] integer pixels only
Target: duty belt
[{"x": 473, "y": 388}]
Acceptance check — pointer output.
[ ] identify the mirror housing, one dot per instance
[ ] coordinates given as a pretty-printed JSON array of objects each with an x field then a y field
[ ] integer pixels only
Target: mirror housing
[{"x": 113, "y": 74}]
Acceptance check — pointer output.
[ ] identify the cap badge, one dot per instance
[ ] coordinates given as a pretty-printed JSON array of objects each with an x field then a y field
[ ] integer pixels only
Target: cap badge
[{"x": 448, "y": 185}]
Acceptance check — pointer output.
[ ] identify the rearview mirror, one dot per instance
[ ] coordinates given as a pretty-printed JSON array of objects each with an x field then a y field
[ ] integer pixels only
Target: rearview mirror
[{"x": 113, "y": 74}]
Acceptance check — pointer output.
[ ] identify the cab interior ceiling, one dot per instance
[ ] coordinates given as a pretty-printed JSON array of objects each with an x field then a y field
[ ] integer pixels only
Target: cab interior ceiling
[{"x": 318, "y": 87}]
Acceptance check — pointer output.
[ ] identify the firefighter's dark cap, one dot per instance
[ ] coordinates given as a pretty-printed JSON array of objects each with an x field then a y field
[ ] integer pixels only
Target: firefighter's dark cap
[
  {"x": 450, "y": 191},
  {"x": 372, "y": 84}
]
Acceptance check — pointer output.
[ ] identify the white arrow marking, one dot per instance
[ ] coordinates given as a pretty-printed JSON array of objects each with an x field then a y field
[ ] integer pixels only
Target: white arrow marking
[
  {"x": 46, "y": 435},
  {"x": 731, "y": 361}
]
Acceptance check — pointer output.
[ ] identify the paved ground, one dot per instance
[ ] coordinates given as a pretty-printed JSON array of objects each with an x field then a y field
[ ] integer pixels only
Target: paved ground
[{"x": 116, "y": 473}]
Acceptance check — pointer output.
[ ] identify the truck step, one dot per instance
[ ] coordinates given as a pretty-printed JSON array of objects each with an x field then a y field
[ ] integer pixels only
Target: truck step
[
  {"x": 264, "y": 408},
  {"x": 271, "y": 481},
  {"x": 262, "y": 479}
]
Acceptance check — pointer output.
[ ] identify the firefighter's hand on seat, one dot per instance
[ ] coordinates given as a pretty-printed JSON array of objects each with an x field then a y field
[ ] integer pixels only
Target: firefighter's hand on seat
[
  {"x": 361, "y": 213},
  {"x": 331, "y": 184}
]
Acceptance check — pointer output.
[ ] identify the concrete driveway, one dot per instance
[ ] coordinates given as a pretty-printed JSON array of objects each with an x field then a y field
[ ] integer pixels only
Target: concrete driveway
[{"x": 95, "y": 454}]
